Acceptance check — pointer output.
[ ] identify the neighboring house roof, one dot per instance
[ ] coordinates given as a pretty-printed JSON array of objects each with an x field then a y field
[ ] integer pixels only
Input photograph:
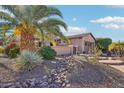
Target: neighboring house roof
[{"x": 81, "y": 35}]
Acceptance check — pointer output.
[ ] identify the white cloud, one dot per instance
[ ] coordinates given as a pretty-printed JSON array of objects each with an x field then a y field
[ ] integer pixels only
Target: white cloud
[
  {"x": 117, "y": 6},
  {"x": 74, "y": 19},
  {"x": 113, "y": 23},
  {"x": 113, "y": 26},
  {"x": 73, "y": 30},
  {"x": 109, "y": 19}
]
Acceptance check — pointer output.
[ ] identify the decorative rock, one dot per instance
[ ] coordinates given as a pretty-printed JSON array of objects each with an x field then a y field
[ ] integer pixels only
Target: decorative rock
[
  {"x": 68, "y": 85},
  {"x": 56, "y": 78},
  {"x": 45, "y": 76},
  {"x": 44, "y": 85},
  {"x": 53, "y": 62},
  {"x": 66, "y": 81},
  {"x": 18, "y": 85},
  {"x": 7, "y": 85},
  {"x": 63, "y": 85},
  {"x": 25, "y": 85},
  {"x": 53, "y": 86}
]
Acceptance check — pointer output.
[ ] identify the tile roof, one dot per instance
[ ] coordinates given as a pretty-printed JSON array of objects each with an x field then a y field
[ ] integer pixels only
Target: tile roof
[{"x": 80, "y": 35}]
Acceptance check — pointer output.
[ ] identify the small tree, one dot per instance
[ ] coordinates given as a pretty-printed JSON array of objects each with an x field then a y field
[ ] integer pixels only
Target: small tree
[
  {"x": 104, "y": 43},
  {"x": 96, "y": 53}
]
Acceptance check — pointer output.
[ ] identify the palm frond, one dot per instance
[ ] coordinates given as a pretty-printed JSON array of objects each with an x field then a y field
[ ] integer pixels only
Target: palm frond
[
  {"x": 53, "y": 22},
  {"x": 14, "y": 10},
  {"x": 26, "y": 18},
  {"x": 38, "y": 12},
  {"x": 45, "y": 11},
  {"x": 51, "y": 11},
  {"x": 56, "y": 31},
  {"x": 6, "y": 17}
]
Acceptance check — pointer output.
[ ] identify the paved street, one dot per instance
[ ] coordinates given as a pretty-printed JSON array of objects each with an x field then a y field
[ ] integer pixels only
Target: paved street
[
  {"x": 119, "y": 67},
  {"x": 118, "y": 64},
  {"x": 111, "y": 61}
]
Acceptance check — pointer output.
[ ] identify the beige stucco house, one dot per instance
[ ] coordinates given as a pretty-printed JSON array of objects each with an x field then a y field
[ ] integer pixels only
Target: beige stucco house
[{"x": 81, "y": 43}]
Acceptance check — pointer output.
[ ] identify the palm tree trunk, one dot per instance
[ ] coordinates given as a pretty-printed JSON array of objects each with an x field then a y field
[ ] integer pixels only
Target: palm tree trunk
[{"x": 27, "y": 41}]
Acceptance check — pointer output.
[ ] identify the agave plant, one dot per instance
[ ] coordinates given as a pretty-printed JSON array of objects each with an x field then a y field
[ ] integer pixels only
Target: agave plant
[{"x": 30, "y": 59}]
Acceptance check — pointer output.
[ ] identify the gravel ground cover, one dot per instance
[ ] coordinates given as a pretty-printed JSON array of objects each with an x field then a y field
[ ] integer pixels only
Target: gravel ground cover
[{"x": 66, "y": 72}]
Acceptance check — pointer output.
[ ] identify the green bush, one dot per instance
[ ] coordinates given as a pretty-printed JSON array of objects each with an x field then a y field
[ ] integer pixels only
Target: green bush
[
  {"x": 13, "y": 53},
  {"x": 30, "y": 59},
  {"x": 47, "y": 52},
  {"x": 12, "y": 50},
  {"x": 1, "y": 50}
]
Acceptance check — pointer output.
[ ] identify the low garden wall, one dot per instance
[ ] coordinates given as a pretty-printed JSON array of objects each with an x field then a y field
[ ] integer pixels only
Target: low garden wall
[{"x": 63, "y": 50}]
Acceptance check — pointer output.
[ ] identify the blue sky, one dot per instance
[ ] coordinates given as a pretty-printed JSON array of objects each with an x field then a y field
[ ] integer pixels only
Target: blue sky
[{"x": 101, "y": 21}]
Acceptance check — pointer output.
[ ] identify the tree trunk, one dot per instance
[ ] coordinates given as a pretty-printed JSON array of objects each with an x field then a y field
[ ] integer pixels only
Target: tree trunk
[{"x": 27, "y": 41}]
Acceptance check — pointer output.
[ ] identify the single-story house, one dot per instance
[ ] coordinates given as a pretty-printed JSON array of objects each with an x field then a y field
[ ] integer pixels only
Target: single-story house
[{"x": 81, "y": 43}]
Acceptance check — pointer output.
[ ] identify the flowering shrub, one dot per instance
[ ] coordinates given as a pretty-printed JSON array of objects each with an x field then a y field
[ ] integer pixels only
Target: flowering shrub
[{"x": 10, "y": 47}]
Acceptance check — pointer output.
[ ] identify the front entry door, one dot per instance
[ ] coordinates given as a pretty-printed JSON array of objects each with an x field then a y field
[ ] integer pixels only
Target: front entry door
[{"x": 74, "y": 50}]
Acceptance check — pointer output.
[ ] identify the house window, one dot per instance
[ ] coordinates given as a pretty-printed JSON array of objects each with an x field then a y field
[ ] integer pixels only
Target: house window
[
  {"x": 58, "y": 41},
  {"x": 88, "y": 44}
]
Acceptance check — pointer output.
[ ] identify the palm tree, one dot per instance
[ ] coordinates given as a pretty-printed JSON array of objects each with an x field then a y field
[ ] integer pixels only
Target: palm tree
[
  {"x": 51, "y": 28},
  {"x": 28, "y": 19}
]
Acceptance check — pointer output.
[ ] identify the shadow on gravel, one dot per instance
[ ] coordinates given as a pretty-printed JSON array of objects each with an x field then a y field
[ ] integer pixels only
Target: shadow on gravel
[{"x": 5, "y": 67}]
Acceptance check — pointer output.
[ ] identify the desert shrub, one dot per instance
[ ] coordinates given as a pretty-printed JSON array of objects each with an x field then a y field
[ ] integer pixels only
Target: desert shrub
[
  {"x": 12, "y": 50},
  {"x": 9, "y": 46},
  {"x": 30, "y": 59},
  {"x": 1, "y": 50},
  {"x": 47, "y": 52},
  {"x": 13, "y": 53},
  {"x": 94, "y": 58}
]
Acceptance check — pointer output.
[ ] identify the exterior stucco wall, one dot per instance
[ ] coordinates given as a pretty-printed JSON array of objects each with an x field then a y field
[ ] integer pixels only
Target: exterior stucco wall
[
  {"x": 77, "y": 42},
  {"x": 63, "y": 50},
  {"x": 87, "y": 38}
]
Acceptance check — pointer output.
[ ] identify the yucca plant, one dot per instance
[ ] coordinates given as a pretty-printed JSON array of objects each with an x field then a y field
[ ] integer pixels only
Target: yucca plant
[{"x": 30, "y": 59}]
